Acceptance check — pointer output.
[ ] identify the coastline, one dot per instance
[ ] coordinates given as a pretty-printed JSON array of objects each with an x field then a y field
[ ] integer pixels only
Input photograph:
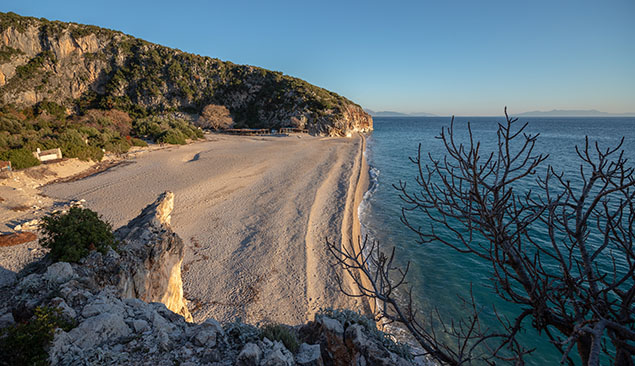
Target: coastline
[
  {"x": 360, "y": 183},
  {"x": 254, "y": 213}
]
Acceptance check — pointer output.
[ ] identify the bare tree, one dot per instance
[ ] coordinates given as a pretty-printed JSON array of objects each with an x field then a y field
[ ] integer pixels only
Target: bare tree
[
  {"x": 576, "y": 286},
  {"x": 216, "y": 117}
]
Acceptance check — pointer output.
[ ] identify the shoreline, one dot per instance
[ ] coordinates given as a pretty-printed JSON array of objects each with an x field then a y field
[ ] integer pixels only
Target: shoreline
[
  {"x": 325, "y": 203},
  {"x": 361, "y": 184},
  {"x": 254, "y": 213}
]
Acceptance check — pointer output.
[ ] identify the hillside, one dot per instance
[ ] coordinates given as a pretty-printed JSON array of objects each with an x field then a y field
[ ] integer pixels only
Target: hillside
[{"x": 84, "y": 67}]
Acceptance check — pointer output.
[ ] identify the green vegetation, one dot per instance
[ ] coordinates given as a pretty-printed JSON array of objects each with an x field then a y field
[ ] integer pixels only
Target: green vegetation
[
  {"x": 35, "y": 64},
  {"x": 138, "y": 142},
  {"x": 71, "y": 236},
  {"x": 20, "y": 158},
  {"x": 7, "y": 53},
  {"x": 26, "y": 343},
  {"x": 143, "y": 79},
  {"x": 166, "y": 130},
  {"x": 51, "y": 108},
  {"x": 281, "y": 333},
  {"x": 85, "y": 136}
]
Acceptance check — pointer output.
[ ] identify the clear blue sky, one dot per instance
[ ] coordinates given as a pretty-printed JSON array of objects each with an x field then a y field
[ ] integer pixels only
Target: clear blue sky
[{"x": 443, "y": 57}]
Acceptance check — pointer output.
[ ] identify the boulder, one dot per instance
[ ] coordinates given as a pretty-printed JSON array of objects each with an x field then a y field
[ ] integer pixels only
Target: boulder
[
  {"x": 250, "y": 355},
  {"x": 6, "y": 320},
  {"x": 59, "y": 272},
  {"x": 278, "y": 356},
  {"x": 309, "y": 355}
]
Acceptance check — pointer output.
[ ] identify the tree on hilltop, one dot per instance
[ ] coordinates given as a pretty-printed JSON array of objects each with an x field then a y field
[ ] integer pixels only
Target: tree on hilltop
[{"x": 576, "y": 287}]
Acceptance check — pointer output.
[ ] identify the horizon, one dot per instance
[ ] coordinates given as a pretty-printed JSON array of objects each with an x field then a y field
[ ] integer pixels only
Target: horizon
[{"x": 538, "y": 57}]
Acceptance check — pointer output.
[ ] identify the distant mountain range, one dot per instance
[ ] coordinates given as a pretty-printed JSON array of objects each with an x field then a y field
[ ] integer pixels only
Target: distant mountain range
[
  {"x": 572, "y": 113},
  {"x": 398, "y": 114},
  {"x": 551, "y": 113}
]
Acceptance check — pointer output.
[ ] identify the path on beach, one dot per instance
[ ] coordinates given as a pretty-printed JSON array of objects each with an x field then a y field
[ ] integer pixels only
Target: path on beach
[{"x": 254, "y": 213}]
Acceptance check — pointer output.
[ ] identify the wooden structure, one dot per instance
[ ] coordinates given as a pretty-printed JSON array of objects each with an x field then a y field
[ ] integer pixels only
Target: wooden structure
[
  {"x": 5, "y": 166},
  {"x": 48, "y": 155},
  {"x": 289, "y": 130},
  {"x": 248, "y": 131}
]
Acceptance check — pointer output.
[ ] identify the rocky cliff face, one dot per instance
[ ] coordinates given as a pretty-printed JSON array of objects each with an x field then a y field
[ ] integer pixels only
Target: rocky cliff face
[
  {"x": 82, "y": 66},
  {"x": 110, "y": 298},
  {"x": 152, "y": 258}
]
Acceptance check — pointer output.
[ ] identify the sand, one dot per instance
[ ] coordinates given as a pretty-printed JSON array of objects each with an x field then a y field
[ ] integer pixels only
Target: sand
[
  {"x": 22, "y": 203},
  {"x": 254, "y": 213}
]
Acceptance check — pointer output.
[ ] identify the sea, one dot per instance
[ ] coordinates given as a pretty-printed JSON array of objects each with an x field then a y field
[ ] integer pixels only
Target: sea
[{"x": 438, "y": 274}]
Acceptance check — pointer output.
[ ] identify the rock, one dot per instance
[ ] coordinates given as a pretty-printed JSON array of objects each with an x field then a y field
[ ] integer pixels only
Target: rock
[
  {"x": 99, "y": 329},
  {"x": 153, "y": 256},
  {"x": 31, "y": 225},
  {"x": 104, "y": 302},
  {"x": 6, "y": 320},
  {"x": 309, "y": 355},
  {"x": 17, "y": 228},
  {"x": 66, "y": 310},
  {"x": 278, "y": 356},
  {"x": 206, "y": 336},
  {"x": 331, "y": 339},
  {"x": 30, "y": 283},
  {"x": 59, "y": 272},
  {"x": 355, "y": 335},
  {"x": 250, "y": 355},
  {"x": 129, "y": 331},
  {"x": 331, "y": 325},
  {"x": 140, "y": 325},
  {"x": 7, "y": 278}
]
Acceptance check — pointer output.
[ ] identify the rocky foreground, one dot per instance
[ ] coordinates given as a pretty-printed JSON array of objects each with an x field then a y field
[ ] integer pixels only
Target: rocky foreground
[{"x": 127, "y": 308}]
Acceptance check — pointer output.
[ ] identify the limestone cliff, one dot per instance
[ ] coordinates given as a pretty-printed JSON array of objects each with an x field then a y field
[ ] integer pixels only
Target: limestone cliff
[{"x": 81, "y": 66}]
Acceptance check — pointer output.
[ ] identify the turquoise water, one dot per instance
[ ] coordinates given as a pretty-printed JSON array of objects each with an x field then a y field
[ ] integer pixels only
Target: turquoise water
[{"x": 439, "y": 273}]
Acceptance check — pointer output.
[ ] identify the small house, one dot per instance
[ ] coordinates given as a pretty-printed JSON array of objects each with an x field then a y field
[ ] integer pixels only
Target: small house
[
  {"x": 48, "y": 155},
  {"x": 5, "y": 166}
]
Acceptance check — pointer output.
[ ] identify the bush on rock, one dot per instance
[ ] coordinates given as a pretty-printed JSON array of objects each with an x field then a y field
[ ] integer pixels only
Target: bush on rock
[{"x": 73, "y": 235}]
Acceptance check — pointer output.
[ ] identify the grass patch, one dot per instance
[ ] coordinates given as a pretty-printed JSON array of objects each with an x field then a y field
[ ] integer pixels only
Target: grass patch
[{"x": 281, "y": 333}]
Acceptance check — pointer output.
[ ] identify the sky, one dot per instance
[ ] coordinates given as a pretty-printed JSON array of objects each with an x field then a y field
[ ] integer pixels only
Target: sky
[{"x": 443, "y": 57}]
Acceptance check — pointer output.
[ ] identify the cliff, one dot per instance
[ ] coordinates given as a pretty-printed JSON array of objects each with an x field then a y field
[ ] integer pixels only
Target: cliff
[
  {"x": 83, "y": 66},
  {"x": 126, "y": 308}
]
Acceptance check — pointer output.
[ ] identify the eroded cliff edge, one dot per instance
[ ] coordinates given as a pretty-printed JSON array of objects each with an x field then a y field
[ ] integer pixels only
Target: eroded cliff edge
[{"x": 82, "y": 66}]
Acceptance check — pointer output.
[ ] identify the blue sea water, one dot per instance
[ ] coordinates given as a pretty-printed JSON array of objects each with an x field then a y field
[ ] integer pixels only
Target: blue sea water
[{"x": 438, "y": 273}]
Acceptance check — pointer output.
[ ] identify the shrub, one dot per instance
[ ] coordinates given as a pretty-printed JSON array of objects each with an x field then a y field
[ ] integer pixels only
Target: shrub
[
  {"x": 51, "y": 108},
  {"x": 82, "y": 152},
  {"x": 172, "y": 137},
  {"x": 29, "y": 69},
  {"x": 73, "y": 235},
  {"x": 138, "y": 142},
  {"x": 282, "y": 333},
  {"x": 20, "y": 158},
  {"x": 27, "y": 343},
  {"x": 117, "y": 145}
]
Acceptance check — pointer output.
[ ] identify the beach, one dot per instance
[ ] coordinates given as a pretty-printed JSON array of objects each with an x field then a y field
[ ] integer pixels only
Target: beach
[{"x": 254, "y": 212}]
